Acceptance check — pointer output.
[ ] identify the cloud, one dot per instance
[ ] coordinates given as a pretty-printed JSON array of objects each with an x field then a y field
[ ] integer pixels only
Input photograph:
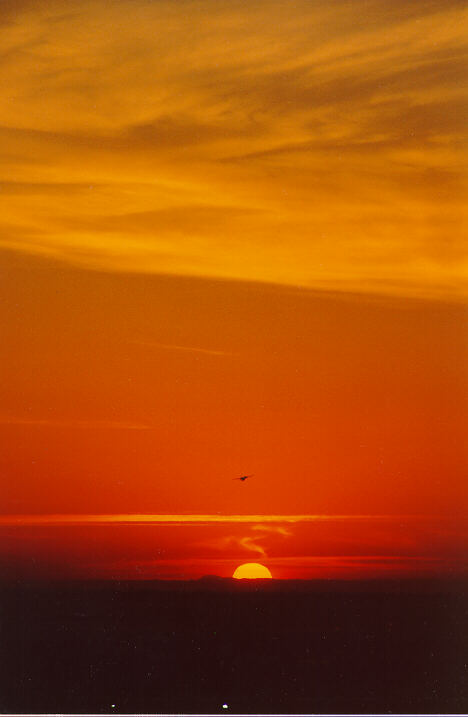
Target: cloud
[
  {"x": 280, "y": 530},
  {"x": 306, "y": 145},
  {"x": 251, "y": 543},
  {"x": 257, "y": 521},
  {"x": 64, "y": 423},
  {"x": 191, "y": 545},
  {"x": 188, "y": 349},
  {"x": 245, "y": 543}
]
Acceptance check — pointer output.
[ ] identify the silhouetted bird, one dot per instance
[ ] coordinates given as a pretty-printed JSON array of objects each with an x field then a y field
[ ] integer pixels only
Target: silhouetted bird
[{"x": 243, "y": 478}]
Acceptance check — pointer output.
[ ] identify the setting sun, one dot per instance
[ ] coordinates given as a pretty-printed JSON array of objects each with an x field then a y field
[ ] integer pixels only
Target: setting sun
[{"x": 252, "y": 571}]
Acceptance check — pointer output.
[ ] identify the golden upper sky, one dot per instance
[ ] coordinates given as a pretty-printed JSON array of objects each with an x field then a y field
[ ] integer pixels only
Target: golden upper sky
[{"x": 308, "y": 143}]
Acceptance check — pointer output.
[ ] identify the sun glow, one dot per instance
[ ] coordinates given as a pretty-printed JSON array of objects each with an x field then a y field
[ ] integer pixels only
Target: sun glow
[{"x": 251, "y": 571}]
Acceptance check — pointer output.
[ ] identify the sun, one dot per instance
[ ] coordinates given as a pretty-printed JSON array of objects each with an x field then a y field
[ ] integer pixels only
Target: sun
[{"x": 252, "y": 571}]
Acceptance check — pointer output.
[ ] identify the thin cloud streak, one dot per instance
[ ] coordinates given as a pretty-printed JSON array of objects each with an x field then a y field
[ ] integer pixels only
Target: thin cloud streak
[
  {"x": 188, "y": 349},
  {"x": 184, "y": 519},
  {"x": 59, "y": 423}
]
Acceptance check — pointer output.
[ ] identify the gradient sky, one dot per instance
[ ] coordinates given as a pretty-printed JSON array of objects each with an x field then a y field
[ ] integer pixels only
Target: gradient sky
[{"x": 231, "y": 241}]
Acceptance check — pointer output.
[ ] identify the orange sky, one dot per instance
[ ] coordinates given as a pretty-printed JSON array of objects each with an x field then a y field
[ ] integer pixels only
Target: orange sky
[{"x": 231, "y": 242}]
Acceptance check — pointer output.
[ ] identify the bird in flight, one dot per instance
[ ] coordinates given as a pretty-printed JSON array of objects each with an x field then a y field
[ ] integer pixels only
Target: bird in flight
[{"x": 243, "y": 478}]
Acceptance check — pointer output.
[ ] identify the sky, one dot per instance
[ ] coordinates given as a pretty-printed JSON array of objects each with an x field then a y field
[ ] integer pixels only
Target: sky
[{"x": 232, "y": 241}]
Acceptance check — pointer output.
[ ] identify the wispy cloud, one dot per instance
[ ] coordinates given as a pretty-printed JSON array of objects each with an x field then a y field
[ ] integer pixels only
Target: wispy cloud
[
  {"x": 252, "y": 543},
  {"x": 70, "y": 423},
  {"x": 287, "y": 144},
  {"x": 188, "y": 349},
  {"x": 195, "y": 518},
  {"x": 224, "y": 542},
  {"x": 268, "y": 529}
]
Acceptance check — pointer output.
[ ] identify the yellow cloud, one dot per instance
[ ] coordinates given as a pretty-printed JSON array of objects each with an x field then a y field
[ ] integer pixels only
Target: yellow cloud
[
  {"x": 315, "y": 144},
  {"x": 197, "y": 518}
]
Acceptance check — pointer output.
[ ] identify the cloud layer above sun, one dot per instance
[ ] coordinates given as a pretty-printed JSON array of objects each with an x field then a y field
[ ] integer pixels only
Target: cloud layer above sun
[
  {"x": 313, "y": 144},
  {"x": 190, "y": 546}
]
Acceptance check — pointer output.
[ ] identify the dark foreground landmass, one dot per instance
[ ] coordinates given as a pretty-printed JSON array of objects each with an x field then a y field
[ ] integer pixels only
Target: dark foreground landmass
[{"x": 256, "y": 646}]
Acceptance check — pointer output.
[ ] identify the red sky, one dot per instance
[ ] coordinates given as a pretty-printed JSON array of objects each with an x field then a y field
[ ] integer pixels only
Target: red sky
[
  {"x": 231, "y": 242},
  {"x": 147, "y": 395}
]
